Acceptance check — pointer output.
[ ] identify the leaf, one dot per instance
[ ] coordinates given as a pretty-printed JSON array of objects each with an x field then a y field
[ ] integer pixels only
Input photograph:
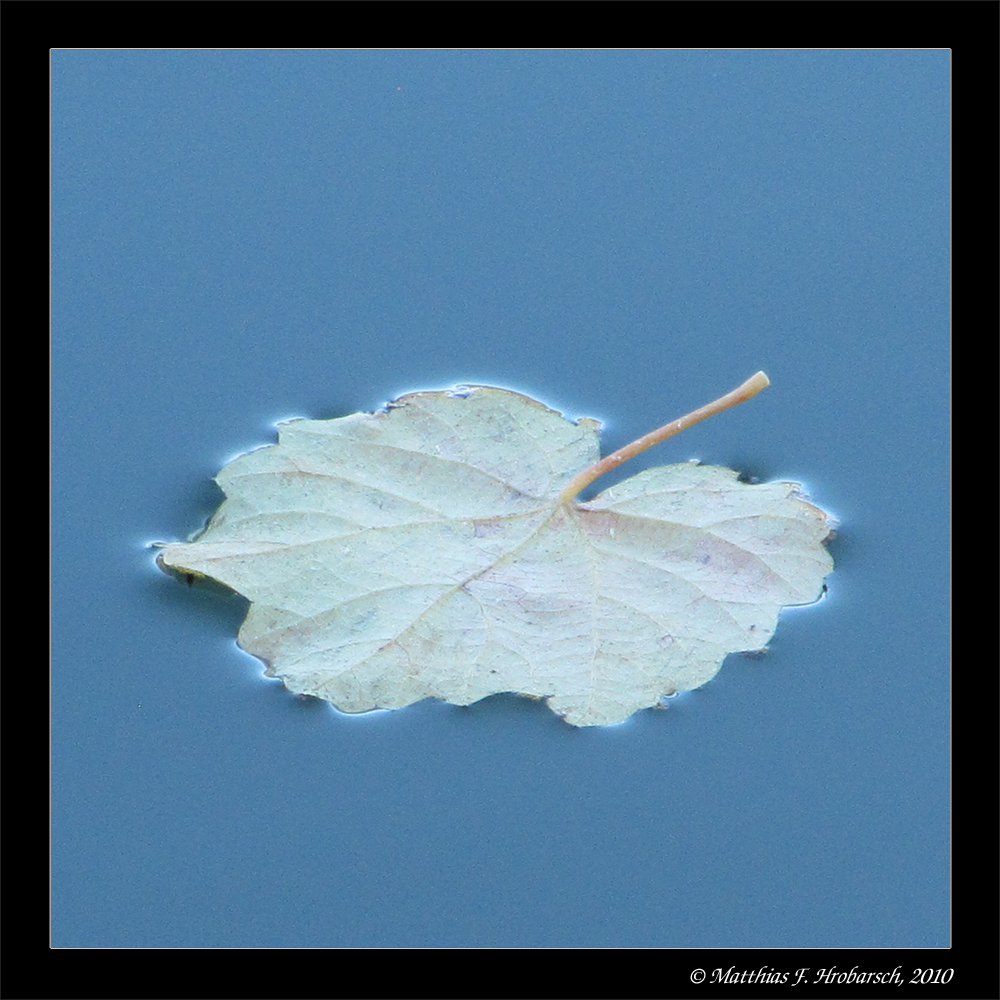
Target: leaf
[{"x": 435, "y": 549}]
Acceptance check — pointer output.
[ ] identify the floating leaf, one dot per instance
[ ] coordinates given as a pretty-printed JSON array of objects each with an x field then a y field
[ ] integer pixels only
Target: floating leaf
[{"x": 435, "y": 549}]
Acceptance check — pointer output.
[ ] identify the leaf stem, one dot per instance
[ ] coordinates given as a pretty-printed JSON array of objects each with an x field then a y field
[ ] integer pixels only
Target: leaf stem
[{"x": 740, "y": 394}]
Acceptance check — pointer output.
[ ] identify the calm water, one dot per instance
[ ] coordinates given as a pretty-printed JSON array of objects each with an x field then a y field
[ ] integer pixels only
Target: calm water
[{"x": 245, "y": 236}]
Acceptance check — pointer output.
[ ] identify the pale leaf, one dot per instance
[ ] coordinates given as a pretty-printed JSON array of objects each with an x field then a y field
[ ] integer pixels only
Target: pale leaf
[{"x": 434, "y": 549}]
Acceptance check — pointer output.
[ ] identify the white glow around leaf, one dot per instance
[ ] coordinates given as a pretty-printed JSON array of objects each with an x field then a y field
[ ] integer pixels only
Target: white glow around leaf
[{"x": 435, "y": 549}]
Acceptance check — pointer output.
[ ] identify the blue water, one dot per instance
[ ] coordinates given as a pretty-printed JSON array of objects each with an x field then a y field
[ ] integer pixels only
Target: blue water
[{"x": 243, "y": 236}]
